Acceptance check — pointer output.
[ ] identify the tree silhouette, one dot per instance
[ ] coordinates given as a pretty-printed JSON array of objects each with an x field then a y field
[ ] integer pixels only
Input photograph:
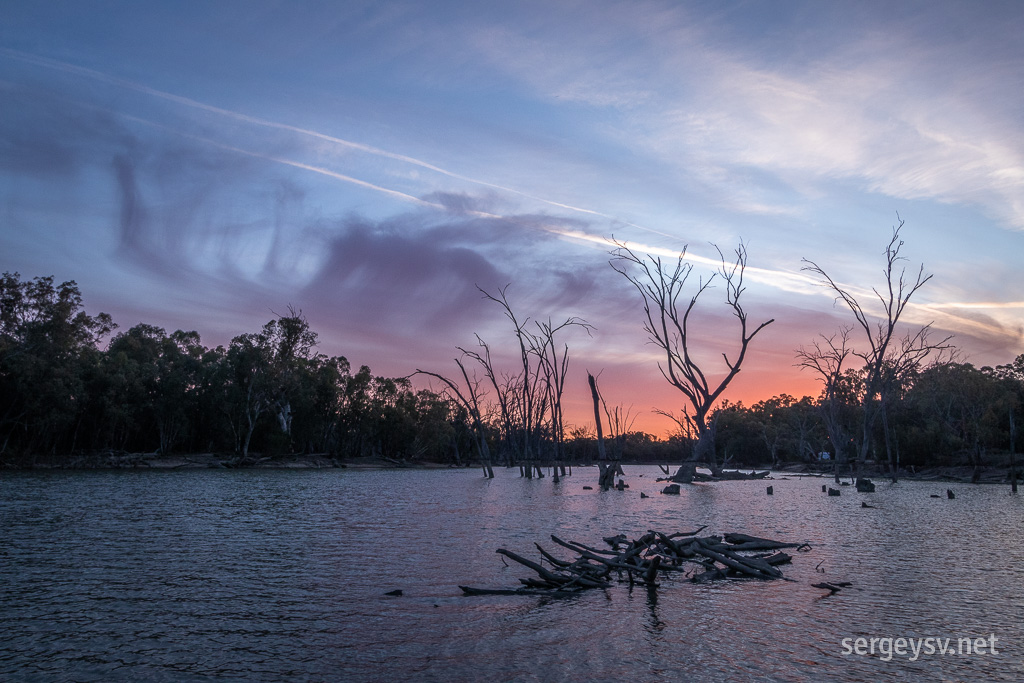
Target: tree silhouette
[
  {"x": 668, "y": 325},
  {"x": 888, "y": 358}
]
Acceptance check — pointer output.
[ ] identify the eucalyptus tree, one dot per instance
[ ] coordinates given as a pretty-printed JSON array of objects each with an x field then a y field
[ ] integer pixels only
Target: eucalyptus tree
[
  {"x": 469, "y": 395},
  {"x": 289, "y": 342},
  {"x": 772, "y": 416},
  {"x": 964, "y": 409},
  {"x": 440, "y": 426},
  {"x": 48, "y": 344},
  {"x": 827, "y": 357},
  {"x": 1012, "y": 376},
  {"x": 668, "y": 319},
  {"x": 806, "y": 426},
  {"x": 267, "y": 370},
  {"x": 247, "y": 386},
  {"x": 320, "y": 405}
]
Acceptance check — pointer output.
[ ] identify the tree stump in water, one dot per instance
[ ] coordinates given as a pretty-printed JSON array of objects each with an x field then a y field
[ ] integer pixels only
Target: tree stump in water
[{"x": 685, "y": 474}]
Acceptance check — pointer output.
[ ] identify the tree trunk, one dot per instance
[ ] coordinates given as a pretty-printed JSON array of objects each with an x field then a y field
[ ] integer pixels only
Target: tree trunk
[
  {"x": 601, "y": 454},
  {"x": 1013, "y": 459},
  {"x": 704, "y": 450},
  {"x": 284, "y": 416},
  {"x": 889, "y": 450},
  {"x": 248, "y": 437}
]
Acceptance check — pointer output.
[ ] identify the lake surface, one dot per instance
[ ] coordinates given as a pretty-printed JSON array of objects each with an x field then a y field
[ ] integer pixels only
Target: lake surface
[{"x": 269, "y": 575}]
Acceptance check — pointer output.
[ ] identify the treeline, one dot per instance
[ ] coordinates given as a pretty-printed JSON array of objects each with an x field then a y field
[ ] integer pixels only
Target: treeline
[
  {"x": 71, "y": 383},
  {"x": 270, "y": 392},
  {"x": 946, "y": 414}
]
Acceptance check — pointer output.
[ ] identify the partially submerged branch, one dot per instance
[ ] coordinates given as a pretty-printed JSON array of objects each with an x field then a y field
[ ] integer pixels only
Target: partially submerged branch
[{"x": 642, "y": 560}]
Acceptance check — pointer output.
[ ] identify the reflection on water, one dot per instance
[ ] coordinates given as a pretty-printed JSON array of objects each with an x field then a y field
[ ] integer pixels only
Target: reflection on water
[{"x": 272, "y": 575}]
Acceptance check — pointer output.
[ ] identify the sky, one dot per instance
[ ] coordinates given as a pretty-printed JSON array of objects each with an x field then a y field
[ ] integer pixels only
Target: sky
[{"x": 207, "y": 165}]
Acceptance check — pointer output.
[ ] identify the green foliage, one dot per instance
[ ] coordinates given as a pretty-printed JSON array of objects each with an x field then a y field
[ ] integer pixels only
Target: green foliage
[
  {"x": 268, "y": 392},
  {"x": 48, "y": 349}
]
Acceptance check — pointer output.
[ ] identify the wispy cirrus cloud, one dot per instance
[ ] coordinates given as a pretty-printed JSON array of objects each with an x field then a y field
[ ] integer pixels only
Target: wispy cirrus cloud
[
  {"x": 854, "y": 122},
  {"x": 885, "y": 110},
  {"x": 259, "y": 122}
]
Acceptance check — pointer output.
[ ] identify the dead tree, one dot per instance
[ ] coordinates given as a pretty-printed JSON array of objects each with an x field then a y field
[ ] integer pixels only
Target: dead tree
[
  {"x": 1013, "y": 453},
  {"x": 827, "y": 358},
  {"x": 552, "y": 370},
  {"x": 503, "y": 387},
  {"x": 529, "y": 399},
  {"x": 606, "y": 478},
  {"x": 523, "y": 406},
  {"x": 667, "y": 324},
  {"x": 884, "y": 349},
  {"x": 899, "y": 370},
  {"x": 471, "y": 402},
  {"x": 602, "y": 454}
]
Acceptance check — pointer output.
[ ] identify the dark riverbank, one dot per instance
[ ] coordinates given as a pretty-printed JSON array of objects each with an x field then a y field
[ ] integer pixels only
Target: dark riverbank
[
  {"x": 155, "y": 461},
  {"x": 996, "y": 474}
]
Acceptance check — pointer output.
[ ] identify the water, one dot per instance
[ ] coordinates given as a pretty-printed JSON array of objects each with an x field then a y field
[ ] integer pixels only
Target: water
[{"x": 280, "y": 575}]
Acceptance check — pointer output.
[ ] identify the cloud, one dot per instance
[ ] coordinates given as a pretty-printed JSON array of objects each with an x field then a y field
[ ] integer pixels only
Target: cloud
[
  {"x": 226, "y": 228},
  {"x": 399, "y": 277},
  {"x": 856, "y": 120},
  {"x": 41, "y": 135},
  {"x": 916, "y": 109},
  {"x": 320, "y": 142}
]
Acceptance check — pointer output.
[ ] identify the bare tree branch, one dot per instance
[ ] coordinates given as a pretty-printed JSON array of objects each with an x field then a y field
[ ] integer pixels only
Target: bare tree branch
[
  {"x": 888, "y": 358},
  {"x": 667, "y": 324}
]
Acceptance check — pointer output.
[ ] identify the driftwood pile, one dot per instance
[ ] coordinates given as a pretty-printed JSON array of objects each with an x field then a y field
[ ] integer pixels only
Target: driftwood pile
[{"x": 699, "y": 559}]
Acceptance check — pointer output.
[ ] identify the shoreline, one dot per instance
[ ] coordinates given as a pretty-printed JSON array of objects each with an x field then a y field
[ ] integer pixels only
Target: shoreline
[{"x": 992, "y": 474}]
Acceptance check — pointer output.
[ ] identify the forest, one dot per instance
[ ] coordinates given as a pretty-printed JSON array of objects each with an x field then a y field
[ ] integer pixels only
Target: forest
[{"x": 72, "y": 383}]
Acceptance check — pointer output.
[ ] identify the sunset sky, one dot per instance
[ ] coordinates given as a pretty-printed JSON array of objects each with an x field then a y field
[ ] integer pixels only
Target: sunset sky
[{"x": 207, "y": 165}]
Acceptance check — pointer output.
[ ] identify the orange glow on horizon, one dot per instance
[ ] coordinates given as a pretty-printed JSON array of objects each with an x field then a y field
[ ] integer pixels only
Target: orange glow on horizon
[{"x": 642, "y": 396}]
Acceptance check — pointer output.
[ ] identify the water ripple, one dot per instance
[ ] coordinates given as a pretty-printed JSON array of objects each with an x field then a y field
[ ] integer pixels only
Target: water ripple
[{"x": 274, "y": 575}]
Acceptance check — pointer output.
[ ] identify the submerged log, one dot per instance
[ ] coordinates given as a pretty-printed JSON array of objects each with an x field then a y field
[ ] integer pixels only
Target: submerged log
[
  {"x": 737, "y": 475},
  {"x": 616, "y": 541},
  {"x": 732, "y": 561},
  {"x": 469, "y": 590},
  {"x": 778, "y": 558},
  {"x": 832, "y": 588},
  {"x": 744, "y": 542},
  {"x": 550, "y": 577}
]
